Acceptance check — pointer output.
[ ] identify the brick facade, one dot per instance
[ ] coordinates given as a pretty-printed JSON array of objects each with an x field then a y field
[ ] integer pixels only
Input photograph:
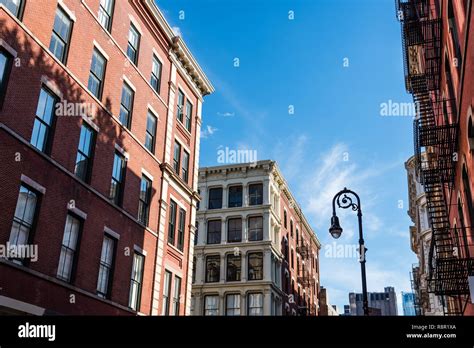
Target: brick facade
[{"x": 25, "y": 41}]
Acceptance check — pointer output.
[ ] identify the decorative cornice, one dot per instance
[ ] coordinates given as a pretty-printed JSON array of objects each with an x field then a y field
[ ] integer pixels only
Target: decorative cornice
[{"x": 181, "y": 50}]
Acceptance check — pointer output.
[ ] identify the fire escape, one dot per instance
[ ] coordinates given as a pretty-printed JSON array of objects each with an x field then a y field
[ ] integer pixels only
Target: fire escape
[
  {"x": 435, "y": 133},
  {"x": 415, "y": 287},
  {"x": 304, "y": 278}
]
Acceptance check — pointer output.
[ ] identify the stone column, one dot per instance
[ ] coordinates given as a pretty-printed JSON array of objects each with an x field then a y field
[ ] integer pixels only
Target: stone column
[
  {"x": 266, "y": 226},
  {"x": 225, "y": 197},
  {"x": 267, "y": 302},
  {"x": 266, "y": 191},
  {"x": 243, "y": 270},
  {"x": 267, "y": 265},
  {"x": 245, "y": 232},
  {"x": 222, "y": 268},
  {"x": 223, "y": 231}
]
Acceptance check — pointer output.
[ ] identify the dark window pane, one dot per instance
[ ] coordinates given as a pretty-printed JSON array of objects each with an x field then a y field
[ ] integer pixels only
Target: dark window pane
[
  {"x": 181, "y": 229},
  {"x": 144, "y": 200},
  {"x": 105, "y": 13},
  {"x": 234, "y": 230},
  {"x": 96, "y": 75},
  {"x": 214, "y": 231},
  {"x": 255, "y": 194},
  {"x": 185, "y": 167},
  {"x": 126, "y": 104},
  {"x": 61, "y": 35},
  {"x": 84, "y": 153},
  {"x": 213, "y": 268},
  {"x": 40, "y": 137},
  {"x": 14, "y": 6},
  {"x": 172, "y": 222},
  {"x": 215, "y": 198},
  {"x": 118, "y": 172},
  {"x": 233, "y": 267},
  {"x": 176, "y": 157},
  {"x": 150, "y": 132},
  {"x": 133, "y": 44},
  {"x": 180, "y": 108},
  {"x": 235, "y": 196},
  {"x": 255, "y": 228},
  {"x": 255, "y": 266},
  {"x": 156, "y": 74}
]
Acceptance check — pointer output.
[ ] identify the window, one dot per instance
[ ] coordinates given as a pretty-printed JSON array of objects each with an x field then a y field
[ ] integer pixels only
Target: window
[
  {"x": 150, "y": 137},
  {"x": 155, "y": 80},
  {"x": 23, "y": 220},
  {"x": 255, "y": 304},
  {"x": 255, "y": 265},
  {"x": 453, "y": 30},
  {"x": 214, "y": 231},
  {"x": 106, "y": 9},
  {"x": 232, "y": 305},
  {"x": 67, "y": 259},
  {"x": 136, "y": 281},
  {"x": 96, "y": 75},
  {"x": 118, "y": 175},
  {"x": 233, "y": 267},
  {"x": 84, "y": 153},
  {"x": 256, "y": 194},
  {"x": 144, "y": 200},
  {"x": 215, "y": 198},
  {"x": 61, "y": 36},
  {"x": 126, "y": 105},
  {"x": 185, "y": 167},
  {"x": 235, "y": 196},
  {"x": 133, "y": 44},
  {"x": 5, "y": 68},
  {"x": 180, "y": 108},
  {"x": 172, "y": 222},
  {"x": 104, "y": 282},
  {"x": 213, "y": 268},
  {"x": 41, "y": 137},
  {"x": 297, "y": 237},
  {"x": 211, "y": 305},
  {"x": 292, "y": 259},
  {"x": 284, "y": 219},
  {"x": 255, "y": 228},
  {"x": 189, "y": 113},
  {"x": 176, "y": 157},
  {"x": 181, "y": 227},
  {"x": 176, "y": 295},
  {"x": 291, "y": 228},
  {"x": 234, "y": 230},
  {"x": 14, "y": 6},
  {"x": 166, "y": 293}
]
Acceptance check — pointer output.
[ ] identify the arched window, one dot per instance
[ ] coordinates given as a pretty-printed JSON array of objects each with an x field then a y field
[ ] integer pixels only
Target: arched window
[{"x": 470, "y": 134}]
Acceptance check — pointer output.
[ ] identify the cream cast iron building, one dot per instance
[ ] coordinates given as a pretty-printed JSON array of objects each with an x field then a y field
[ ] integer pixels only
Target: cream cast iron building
[{"x": 241, "y": 256}]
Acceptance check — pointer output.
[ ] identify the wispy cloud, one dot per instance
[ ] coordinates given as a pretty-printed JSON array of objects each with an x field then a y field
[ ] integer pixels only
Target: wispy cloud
[
  {"x": 208, "y": 131},
  {"x": 226, "y": 114}
]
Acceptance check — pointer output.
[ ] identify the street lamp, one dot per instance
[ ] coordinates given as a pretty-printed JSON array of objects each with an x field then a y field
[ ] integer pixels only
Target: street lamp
[{"x": 344, "y": 200}]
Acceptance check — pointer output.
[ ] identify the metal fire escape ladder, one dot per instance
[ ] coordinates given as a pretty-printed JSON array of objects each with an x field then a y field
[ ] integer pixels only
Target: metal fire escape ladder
[{"x": 436, "y": 135}]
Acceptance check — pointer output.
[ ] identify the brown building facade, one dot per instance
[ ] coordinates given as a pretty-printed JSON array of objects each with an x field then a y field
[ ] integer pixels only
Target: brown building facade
[
  {"x": 439, "y": 71},
  {"x": 100, "y": 116}
]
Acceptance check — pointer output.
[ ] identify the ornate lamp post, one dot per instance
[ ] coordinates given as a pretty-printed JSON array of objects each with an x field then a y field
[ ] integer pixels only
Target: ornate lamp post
[{"x": 344, "y": 200}]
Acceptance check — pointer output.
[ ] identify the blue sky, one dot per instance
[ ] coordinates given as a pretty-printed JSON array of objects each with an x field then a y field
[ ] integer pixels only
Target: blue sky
[{"x": 336, "y": 136}]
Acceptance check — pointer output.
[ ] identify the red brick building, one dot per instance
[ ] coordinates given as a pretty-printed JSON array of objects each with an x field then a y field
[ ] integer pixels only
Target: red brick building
[
  {"x": 100, "y": 116},
  {"x": 439, "y": 70}
]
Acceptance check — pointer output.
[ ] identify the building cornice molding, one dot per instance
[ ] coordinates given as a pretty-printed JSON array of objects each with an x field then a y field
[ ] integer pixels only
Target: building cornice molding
[{"x": 182, "y": 52}]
